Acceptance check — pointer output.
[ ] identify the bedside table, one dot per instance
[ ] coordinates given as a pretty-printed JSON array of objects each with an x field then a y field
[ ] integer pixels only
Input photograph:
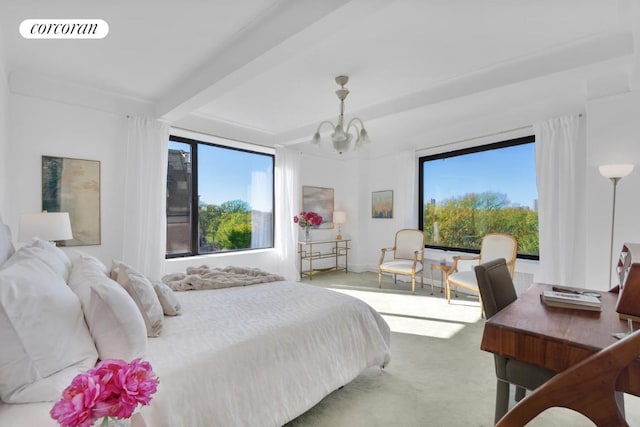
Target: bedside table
[{"x": 444, "y": 270}]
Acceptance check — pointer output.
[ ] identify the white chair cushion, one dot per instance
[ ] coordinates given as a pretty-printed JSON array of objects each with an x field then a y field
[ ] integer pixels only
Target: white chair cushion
[
  {"x": 400, "y": 265},
  {"x": 44, "y": 339},
  {"x": 495, "y": 247},
  {"x": 407, "y": 242},
  {"x": 464, "y": 278},
  {"x": 114, "y": 320}
]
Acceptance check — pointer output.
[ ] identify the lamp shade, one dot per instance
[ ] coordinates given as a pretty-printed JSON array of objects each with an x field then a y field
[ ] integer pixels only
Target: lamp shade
[
  {"x": 339, "y": 217},
  {"x": 51, "y": 226},
  {"x": 616, "y": 170}
]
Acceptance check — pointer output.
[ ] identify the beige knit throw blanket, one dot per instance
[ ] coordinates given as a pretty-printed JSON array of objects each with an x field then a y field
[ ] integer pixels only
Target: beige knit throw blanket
[{"x": 204, "y": 277}]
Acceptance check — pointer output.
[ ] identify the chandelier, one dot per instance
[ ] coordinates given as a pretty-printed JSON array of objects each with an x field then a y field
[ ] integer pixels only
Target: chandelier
[{"x": 341, "y": 136}]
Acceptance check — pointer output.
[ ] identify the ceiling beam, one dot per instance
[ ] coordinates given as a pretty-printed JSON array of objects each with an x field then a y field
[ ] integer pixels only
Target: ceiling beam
[
  {"x": 594, "y": 50},
  {"x": 290, "y": 27}
]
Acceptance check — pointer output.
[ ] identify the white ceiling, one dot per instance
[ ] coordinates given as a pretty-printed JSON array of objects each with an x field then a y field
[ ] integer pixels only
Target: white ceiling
[{"x": 263, "y": 70}]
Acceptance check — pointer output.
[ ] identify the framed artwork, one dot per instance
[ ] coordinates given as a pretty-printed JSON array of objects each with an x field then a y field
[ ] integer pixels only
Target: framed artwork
[
  {"x": 320, "y": 201},
  {"x": 73, "y": 185},
  {"x": 382, "y": 204}
]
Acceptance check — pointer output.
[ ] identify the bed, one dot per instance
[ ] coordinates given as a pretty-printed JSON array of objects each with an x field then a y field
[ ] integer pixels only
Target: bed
[{"x": 256, "y": 355}]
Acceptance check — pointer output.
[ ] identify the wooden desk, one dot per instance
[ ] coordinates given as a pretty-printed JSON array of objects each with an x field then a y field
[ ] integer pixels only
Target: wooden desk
[{"x": 556, "y": 338}]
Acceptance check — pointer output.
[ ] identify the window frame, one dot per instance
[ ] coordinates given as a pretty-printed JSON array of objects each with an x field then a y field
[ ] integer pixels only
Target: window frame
[
  {"x": 194, "y": 215},
  {"x": 455, "y": 153}
]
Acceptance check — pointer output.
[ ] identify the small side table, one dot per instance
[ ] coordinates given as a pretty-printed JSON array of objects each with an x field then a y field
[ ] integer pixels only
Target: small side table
[{"x": 444, "y": 271}]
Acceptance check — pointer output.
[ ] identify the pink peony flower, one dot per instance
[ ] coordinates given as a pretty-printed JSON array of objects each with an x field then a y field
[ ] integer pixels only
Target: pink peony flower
[
  {"x": 114, "y": 388},
  {"x": 307, "y": 219},
  {"x": 75, "y": 409}
]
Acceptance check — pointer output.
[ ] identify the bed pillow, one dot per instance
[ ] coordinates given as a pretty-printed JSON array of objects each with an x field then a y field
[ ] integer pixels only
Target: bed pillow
[
  {"x": 142, "y": 292},
  {"x": 75, "y": 255},
  {"x": 44, "y": 339},
  {"x": 168, "y": 301},
  {"x": 115, "y": 268},
  {"x": 6, "y": 247},
  {"x": 46, "y": 252},
  {"x": 115, "y": 323}
]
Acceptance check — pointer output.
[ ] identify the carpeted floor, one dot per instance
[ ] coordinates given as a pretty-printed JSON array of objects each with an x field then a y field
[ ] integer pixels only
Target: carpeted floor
[{"x": 438, "y": 376}]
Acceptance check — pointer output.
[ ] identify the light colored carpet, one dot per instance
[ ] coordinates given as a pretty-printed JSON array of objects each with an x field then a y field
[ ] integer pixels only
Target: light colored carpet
[{"x": 438, "y": 376}]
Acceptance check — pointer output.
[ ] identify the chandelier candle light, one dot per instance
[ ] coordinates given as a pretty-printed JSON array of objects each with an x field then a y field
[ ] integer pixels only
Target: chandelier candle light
[{"x": 341, "y": 136}]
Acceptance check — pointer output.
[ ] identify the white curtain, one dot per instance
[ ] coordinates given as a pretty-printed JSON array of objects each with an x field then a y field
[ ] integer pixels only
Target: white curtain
[
  {"x": 261, "y": 203},
  {"x": 561, "y": 216},
  {"x": 145, "y": 196},
  {"x": 406, "y": 203},
  {"x": 287, "y": 176}
]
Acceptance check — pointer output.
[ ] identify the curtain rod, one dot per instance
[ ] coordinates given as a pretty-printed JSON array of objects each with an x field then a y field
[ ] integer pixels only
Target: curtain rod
[{"x": 459, "y": 141}]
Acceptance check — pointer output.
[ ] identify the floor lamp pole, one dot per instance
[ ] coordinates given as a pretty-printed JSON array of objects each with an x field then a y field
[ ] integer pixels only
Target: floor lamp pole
[{"x": 613, "y": 221}]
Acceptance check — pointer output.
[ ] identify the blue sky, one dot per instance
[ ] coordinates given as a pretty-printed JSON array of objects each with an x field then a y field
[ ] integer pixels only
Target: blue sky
[
  {"x": 510, "y": 170},
  {"x": 225, "y": 175}
]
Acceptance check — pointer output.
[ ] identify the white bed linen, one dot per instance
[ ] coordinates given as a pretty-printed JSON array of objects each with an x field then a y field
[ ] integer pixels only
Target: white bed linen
[{"x": 253, "y": 356}]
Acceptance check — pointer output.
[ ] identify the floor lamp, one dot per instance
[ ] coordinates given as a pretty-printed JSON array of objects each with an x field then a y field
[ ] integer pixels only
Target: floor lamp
[{"x": 615, "y": 173}]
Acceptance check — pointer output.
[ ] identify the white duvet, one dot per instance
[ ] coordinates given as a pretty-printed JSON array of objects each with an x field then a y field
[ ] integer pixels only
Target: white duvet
[{"x": 253, "y": 356}]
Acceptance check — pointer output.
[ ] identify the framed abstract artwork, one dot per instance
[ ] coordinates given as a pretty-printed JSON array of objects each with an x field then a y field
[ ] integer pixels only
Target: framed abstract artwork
[
  {"x": 320, "y": 201},
  {"x": 73, "y": 185},
  {"x": 382, "y": 204}
]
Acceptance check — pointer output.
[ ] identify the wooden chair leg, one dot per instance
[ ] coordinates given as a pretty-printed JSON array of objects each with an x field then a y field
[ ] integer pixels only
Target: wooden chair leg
[
  {"x": 413, "y": 284},
  {"x": 379, "y": 279}
]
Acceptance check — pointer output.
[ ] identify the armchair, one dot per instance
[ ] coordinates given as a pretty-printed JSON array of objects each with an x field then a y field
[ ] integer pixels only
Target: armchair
[
  {"x": 408, "y": 257},
  {"x": 494, "y": 246}
]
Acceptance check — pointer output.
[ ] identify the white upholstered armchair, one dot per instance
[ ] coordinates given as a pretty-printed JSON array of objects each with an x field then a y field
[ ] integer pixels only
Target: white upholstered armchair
[
  {"x": 408, "y": 257},
  {"x": 494, "y": 246}
]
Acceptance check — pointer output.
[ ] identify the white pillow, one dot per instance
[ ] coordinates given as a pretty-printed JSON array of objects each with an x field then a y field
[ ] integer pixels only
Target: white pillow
[
  {"x": 44, "y": 339},
  {"x": 115, "y": 322},
  {"x": 75, "y": 255},
  {"x": 168, "y": 300},
  {"x": 115, "y": 268},
  {"x": 46, "y": 252},
  {"x": 142, "y": 292},
  {"x": 6, "y": 247}
]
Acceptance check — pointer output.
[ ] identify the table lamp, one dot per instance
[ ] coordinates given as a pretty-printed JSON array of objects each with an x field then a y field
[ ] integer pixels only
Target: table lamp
[
  {"x": 50, "y": 226},
  {"x": 339, "y": 217}
]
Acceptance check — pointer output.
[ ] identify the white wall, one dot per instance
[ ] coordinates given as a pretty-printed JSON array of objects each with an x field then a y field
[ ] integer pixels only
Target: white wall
[
  {"x": 343, "y": 177},
  {"x": 45, "y": 127},
  {"x": 4, "y": 131},
  {"x": 613, "y": 136}
]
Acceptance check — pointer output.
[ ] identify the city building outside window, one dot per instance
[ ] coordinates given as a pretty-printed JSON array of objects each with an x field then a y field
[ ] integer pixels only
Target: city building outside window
[{"x": 219, "y": 198}]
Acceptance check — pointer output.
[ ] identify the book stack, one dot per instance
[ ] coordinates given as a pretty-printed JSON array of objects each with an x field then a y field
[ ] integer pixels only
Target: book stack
[{"x": 571, "y": 300}]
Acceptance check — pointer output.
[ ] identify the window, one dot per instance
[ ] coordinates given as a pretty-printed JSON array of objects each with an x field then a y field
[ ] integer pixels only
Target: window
[
  {"x": 466, "y": 194},
  {"x": 219, "y": 198}
]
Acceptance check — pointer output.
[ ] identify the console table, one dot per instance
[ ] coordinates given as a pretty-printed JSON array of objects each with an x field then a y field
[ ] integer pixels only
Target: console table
[{"x": 315, "y": 250}]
